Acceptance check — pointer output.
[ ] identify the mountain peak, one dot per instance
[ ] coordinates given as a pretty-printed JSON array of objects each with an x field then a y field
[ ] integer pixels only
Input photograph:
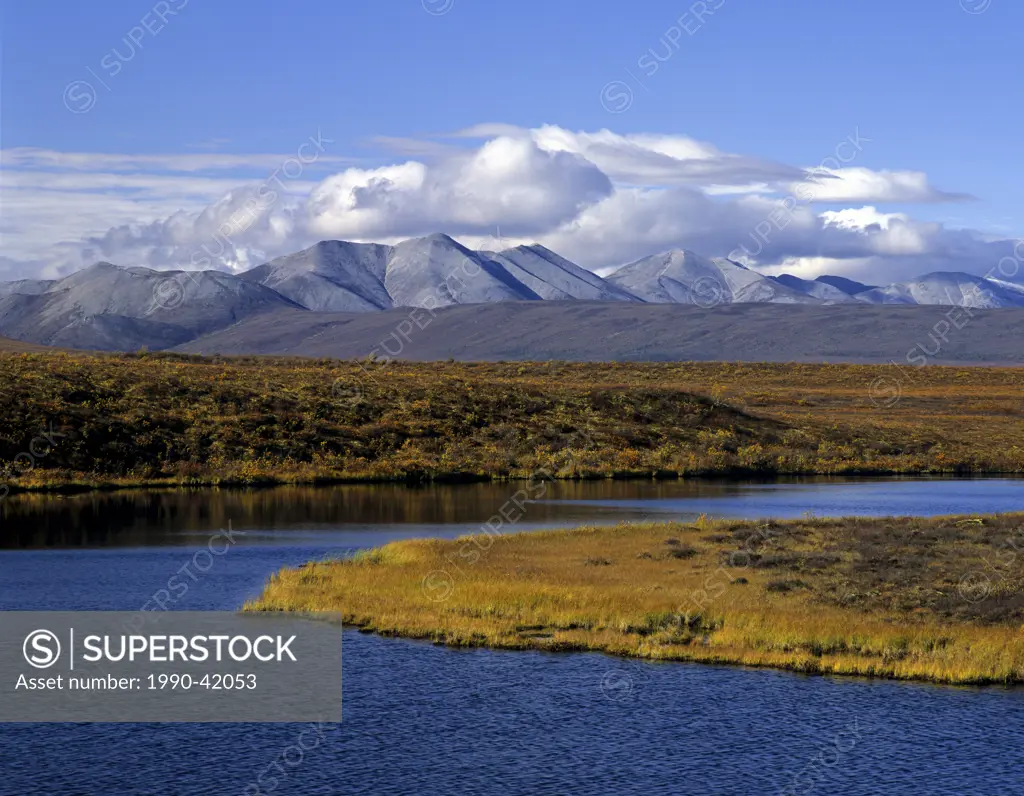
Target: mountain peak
[
  {"x": 552, "y": 277},
  {"x": 536, "y": 248},
  {"x": 948, "y": 288},
  {"x": 99, "y": 266},
  {"x": 680, "y": 254},
  {"x": 829, "y": 294},
  {"x": 126, "y": 307},
  {"x": 685, "y": 277},
  {"x": 848, "y": 286},
  {"x": 439, "y": 237},
  {"x": 330, "y": 276}
]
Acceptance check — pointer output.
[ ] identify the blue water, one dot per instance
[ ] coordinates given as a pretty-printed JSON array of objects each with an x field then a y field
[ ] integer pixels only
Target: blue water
[
  {"x": 421, "y": 719},
  {"x": 855, "y": 498}
]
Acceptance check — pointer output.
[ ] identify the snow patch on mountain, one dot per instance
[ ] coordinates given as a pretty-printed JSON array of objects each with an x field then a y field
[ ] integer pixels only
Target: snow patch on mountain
[
  {"x": 949, "y": 289},
  {"x": 436, "y": 271},
  {"x": 683, "y": 277},
  {"x": 553, "y": 277},
  {"x": 332, "y": 276},
  {"x": 110, "y": 307}
]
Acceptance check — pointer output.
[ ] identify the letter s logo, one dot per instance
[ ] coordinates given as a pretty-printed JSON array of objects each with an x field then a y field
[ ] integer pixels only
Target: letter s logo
[{"x": 41, "y": 649}]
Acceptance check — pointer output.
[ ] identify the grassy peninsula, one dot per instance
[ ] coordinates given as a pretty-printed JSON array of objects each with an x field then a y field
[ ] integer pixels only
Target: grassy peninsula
[
  {"x": 74, "y": 419},
  {"x": 938, "y": 599}
]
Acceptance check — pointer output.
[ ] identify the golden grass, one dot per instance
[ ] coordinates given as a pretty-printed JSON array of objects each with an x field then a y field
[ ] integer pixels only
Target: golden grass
[
  {"x": 164, "y": 419},
  {"x": 934, "y": 599}
]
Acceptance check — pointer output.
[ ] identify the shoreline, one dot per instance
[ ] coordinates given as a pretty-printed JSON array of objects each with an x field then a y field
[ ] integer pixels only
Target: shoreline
[
  {"x": 788, "y": 669},
  {"x": 805, "y": 596},
  {"x": 74, "y": 424},
  {"x": 107, "y": 486}
]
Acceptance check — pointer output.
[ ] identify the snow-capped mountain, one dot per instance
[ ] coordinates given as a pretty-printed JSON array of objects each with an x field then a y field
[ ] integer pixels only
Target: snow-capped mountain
[
  {"x": 434, "y": 271},
  {"x": 332, "y": 276},
  {"x": 553, "y": 277},
  {"x": 27, "y": 287},
  {"x": 949, "y": 289},
  {"x": 829, "y": 294},
  {"x": 110, "y": 307},
  {"x": 682, "y": 277},
  {"x": 437, "y": 271}
]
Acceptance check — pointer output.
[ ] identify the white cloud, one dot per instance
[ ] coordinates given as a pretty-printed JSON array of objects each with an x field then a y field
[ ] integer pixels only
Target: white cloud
[
  {"x": 811, "y": 267},
  {"x": 511, "y": 182},
  {"x": 488, "y": 130},
  {"x": 662, "y": 160},
  {"x": 600, "y": 198},
  {"x": 18, "y": 157},
  {"x": 861, "y": 218},
  {"x": 857, "y": 184},
  {"x": 162, "y": 186}
]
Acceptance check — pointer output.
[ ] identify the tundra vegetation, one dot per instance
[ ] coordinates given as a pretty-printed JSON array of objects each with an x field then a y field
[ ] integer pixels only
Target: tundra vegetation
[
  {"x": 176, "y": 420},
  {"x": 171, "y": 419},
  {"x": 938, "y": 599}
]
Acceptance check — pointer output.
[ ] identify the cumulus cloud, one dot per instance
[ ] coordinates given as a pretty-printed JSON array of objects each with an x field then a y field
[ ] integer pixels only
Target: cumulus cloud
[
  {"x": 648, "y": 160},
  {"x": 508, "y": 181},
  {"x": 237, "y": 232},
  {"x": 600, "y": 198}
]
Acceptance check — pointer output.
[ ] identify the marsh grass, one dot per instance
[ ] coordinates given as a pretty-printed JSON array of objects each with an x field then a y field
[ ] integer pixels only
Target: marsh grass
[
  {"x": 166, "y": 419},
  {"x": 880, "y": 597}
]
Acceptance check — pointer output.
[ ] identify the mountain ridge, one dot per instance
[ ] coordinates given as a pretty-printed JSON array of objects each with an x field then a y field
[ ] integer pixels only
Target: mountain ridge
[{"x": 112, "y": 307}]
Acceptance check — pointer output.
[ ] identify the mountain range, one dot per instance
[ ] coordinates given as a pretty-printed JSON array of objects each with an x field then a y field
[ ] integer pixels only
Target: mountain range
[{"x": 108, "y": 307}]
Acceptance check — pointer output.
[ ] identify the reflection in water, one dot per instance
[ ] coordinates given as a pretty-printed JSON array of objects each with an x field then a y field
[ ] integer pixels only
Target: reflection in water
[
  {"x": 182, "y": 517},
  {"x": 169, "y": 516},
  {"x": 429, "y": 720}
]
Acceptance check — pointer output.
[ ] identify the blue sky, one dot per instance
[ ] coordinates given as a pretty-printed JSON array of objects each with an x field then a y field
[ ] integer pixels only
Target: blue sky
[{"x": 928, "y": 85}]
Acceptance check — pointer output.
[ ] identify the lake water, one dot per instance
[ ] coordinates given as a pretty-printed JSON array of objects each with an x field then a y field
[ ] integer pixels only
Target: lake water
[{"x": 421, "y": 719}]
